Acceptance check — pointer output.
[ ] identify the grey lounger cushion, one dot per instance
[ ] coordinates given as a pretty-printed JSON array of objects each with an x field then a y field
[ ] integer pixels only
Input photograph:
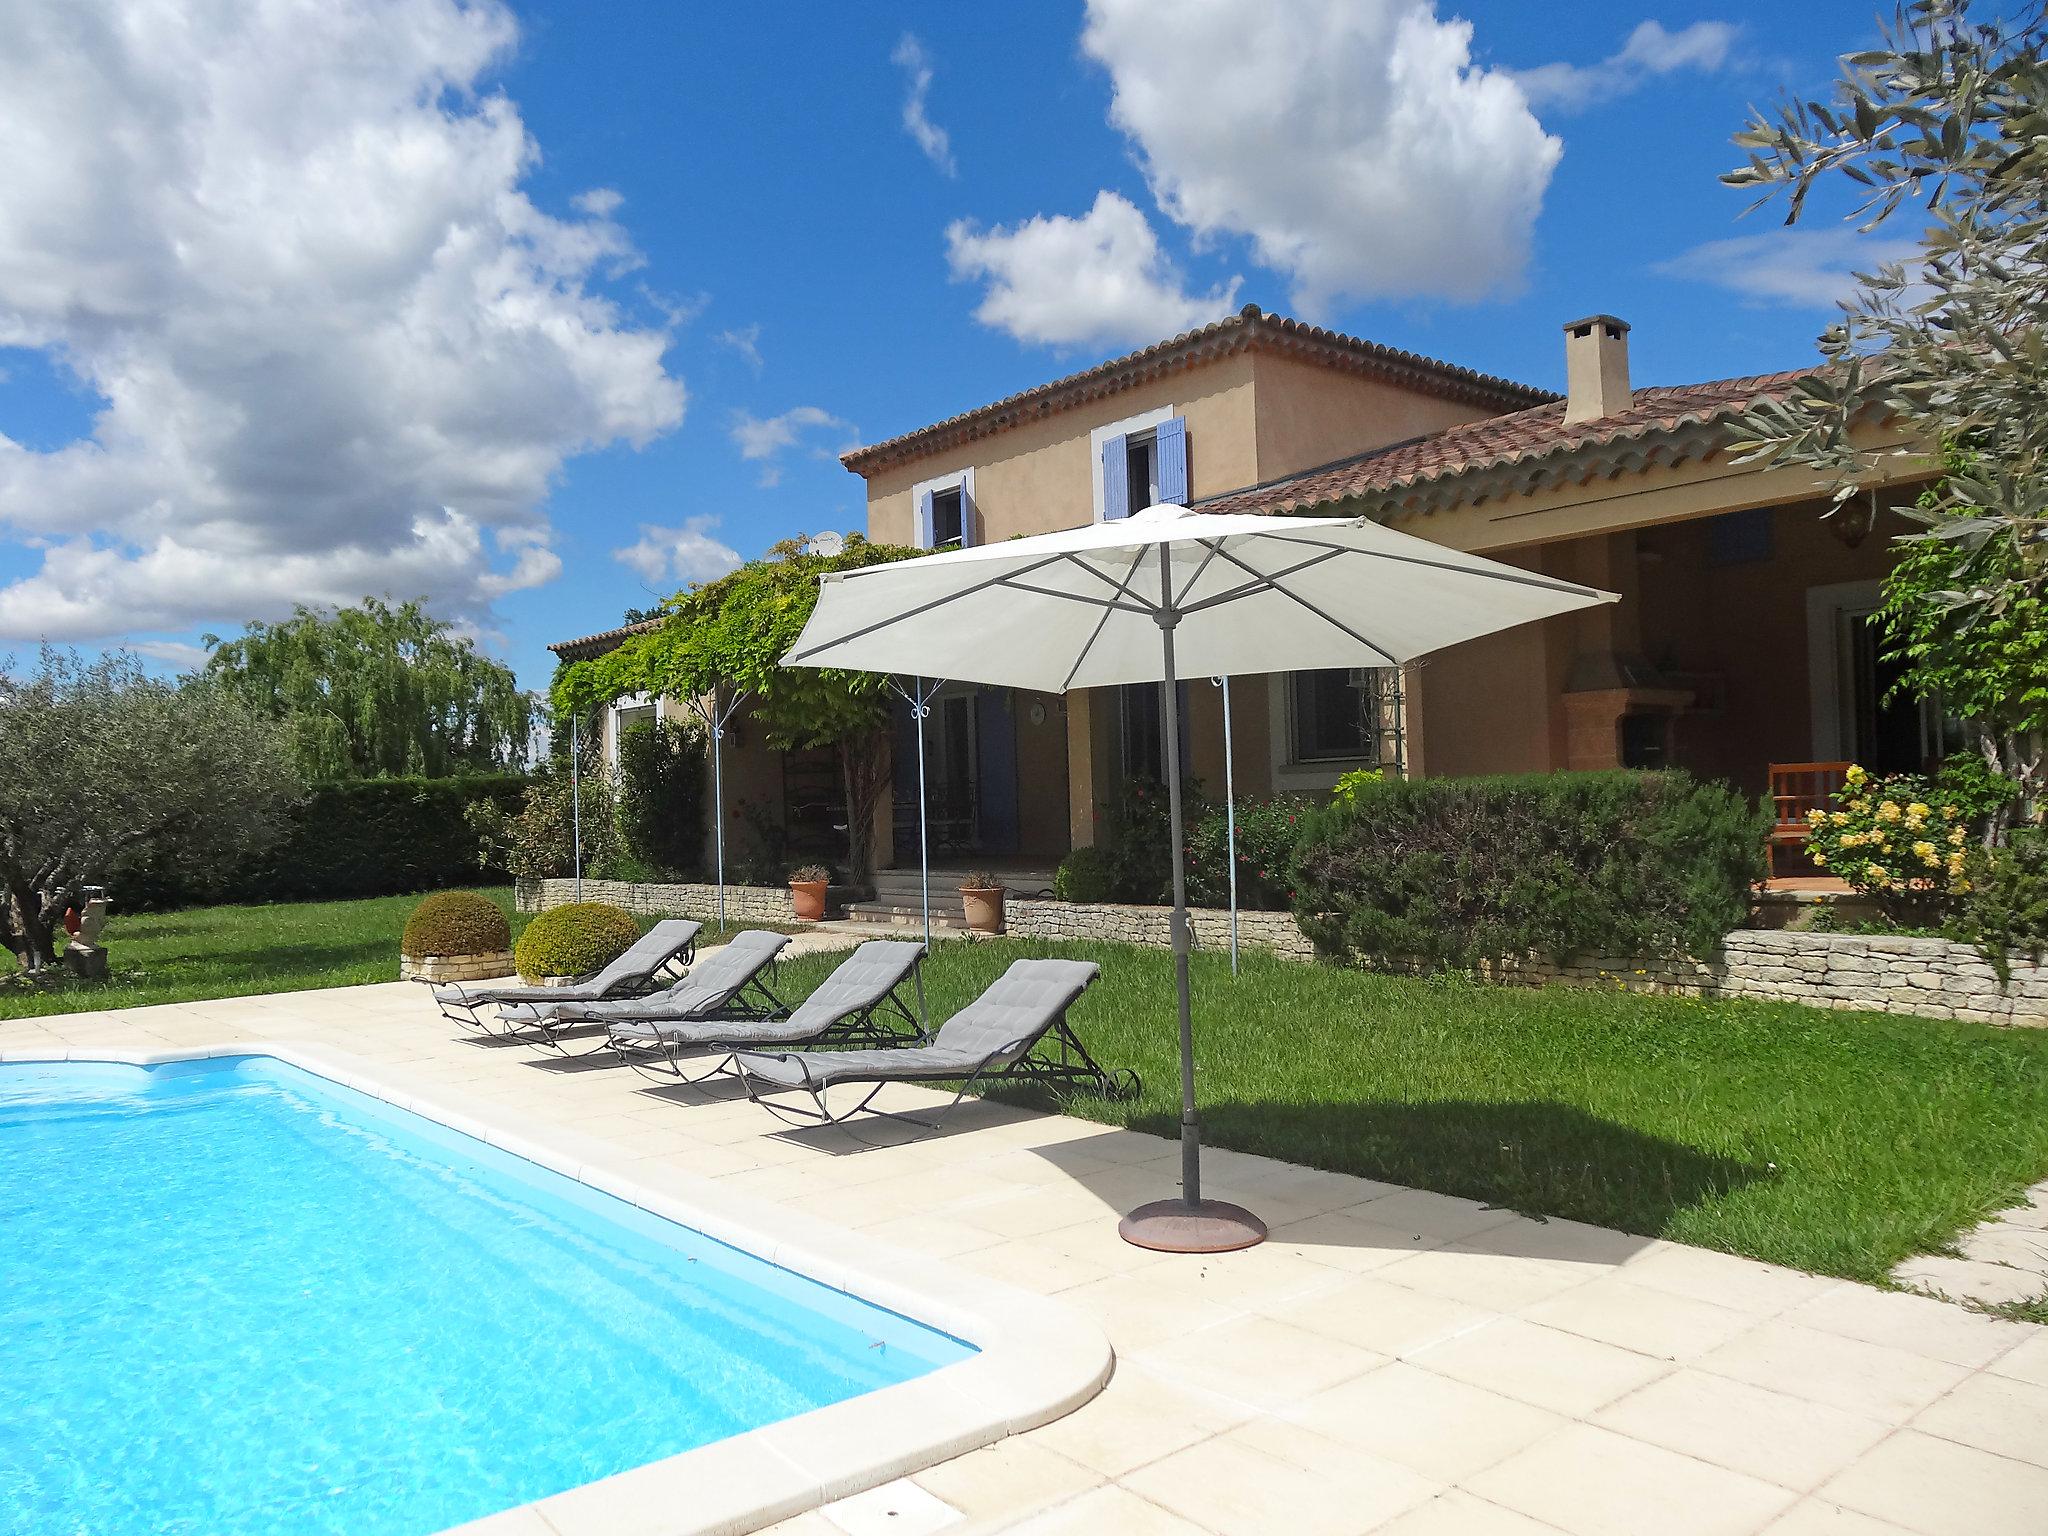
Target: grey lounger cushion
[
  {"x": 652, "y": 950},
  {"x": 711, "y": 984},
  {"x": 995, "y": 1029},
  {"x": 858, "y": 982}
]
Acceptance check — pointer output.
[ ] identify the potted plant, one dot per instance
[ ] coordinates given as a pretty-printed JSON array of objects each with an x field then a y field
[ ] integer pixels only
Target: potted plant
[
  {"x": 807, "y": 887},
  {"x": 981, "y": 899}
]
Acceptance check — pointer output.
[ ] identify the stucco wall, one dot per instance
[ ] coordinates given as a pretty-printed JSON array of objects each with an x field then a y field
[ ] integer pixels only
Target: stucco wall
[
  {"x": 1309, "y": 415},
  {"x": 1040, "y": 476}
]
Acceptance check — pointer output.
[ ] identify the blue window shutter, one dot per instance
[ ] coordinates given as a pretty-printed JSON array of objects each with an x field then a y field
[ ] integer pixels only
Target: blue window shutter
[
  {"x": 1171, "y": 442},
  {"x": 966, "y": 516},
  {"x": 1116, "y": 478},
  {"x": 924, "y": 519}
]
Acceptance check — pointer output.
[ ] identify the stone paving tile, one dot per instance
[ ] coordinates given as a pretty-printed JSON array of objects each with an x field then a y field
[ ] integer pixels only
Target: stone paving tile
[
  {"x": 1829, "y": 1368},
  {"x": 1817, "y": 1517},
  {"x": 1544, "y": 1366},
  {"x": 1458, "y": 1513},
  {"x": 1394, "y": 1361},
  {"x": 1269, "y": 1480},
  {"x": 1431, "y": 1424},
  {"x": 1389, "y": 1319},
  {"x": 1594, "y": 1482},
  {"x": 1939, "y": 1488},
  {"x": 1993, "y": 1413},
  {"x": 1654, "y": 1323},
  {"x": 1782, "y": 1439}
]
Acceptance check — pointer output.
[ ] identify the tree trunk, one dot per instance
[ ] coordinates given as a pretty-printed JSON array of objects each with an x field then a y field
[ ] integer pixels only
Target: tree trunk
[{"x": 864, "y": 777}]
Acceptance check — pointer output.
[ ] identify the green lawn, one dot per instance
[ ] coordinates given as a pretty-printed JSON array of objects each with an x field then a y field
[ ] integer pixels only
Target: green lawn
[
  {"x": 1833, "y": 1142},
  {"x": 177, "y": 957}
]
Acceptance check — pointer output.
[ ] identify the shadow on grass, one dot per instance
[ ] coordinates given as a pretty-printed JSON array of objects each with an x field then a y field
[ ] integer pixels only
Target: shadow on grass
[{"x": 1538, "y": 1157}]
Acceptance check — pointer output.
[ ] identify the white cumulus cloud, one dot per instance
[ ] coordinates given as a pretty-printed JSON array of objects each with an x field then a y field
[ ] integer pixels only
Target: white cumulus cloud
[
  {"x": 1063, "y": 282},
  {"x": 1792, "y": 268},
  {"x": 1353, "y": 142},
  {"x": 1650, "y": 50},
  {"x": 339, "y": 350},
  {"x": 916, "y": 64},
  {"x": 746, "y": 341},
  {"x": 765, "y": 439},
  {"x": 679, "y": 556}
]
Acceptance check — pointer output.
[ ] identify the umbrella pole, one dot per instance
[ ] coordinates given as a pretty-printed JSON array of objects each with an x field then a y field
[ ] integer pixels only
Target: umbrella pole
[
  {"x": 718, "y": 799},
  {"x": 920, "y": 705},
  {"x": 1230, "y": 819},
  {"x": 1189, "y": 1224},
  {"x": 576, "y": 802}
]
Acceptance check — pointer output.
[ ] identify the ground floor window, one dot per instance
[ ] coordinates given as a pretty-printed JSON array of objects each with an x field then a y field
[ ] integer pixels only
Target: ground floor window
[{"x": 1347, "y": 714}]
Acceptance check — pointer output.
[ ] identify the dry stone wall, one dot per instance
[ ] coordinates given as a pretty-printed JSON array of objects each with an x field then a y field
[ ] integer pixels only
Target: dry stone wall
[
  {"x": 1879, "y": 973},
  {"x": 743, "y": 903}
]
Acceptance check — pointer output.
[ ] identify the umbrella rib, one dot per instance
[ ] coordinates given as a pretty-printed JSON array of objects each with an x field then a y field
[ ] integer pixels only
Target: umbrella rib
[
  {"x": 1519, "y": 578},
  {"x": 921, "y": 608},
  {"x": 1213, "y": 547},
  {"x": 1137, "y": 559},
  {"x": 1327, "y": 618},
  {"x": 1074, "y": 597},
  {"x": 1245, "y": 589}
]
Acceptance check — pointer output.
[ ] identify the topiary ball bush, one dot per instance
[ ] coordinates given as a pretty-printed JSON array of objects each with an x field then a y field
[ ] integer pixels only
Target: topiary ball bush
[
  {"x": 574, "y": 940},
  {"x": 1084, "y": 875},
  {"x": 456, "y": 923}
]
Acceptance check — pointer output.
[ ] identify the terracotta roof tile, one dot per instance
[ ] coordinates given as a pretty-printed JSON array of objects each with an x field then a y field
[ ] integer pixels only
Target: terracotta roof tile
[
  {"x": 1250, "y": 327},
  {"x": 1524, "y": 438},
  {"x": 597, "y": 644}
]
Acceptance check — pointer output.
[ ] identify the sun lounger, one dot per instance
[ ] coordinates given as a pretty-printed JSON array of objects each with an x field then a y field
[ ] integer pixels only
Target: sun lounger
[
  {"x": 660, "y": 956},
  {"x": 1017, "y": 1030},
  {"x": 859, "y": 1003},
  {"x": 728, "y": 980}
]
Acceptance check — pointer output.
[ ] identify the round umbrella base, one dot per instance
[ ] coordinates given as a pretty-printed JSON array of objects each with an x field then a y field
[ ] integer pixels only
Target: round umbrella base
[{"x": 1203, "y": 1226}]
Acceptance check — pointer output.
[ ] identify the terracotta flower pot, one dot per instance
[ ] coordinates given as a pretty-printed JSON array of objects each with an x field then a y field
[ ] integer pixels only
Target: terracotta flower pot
[
  {"x": 808, "y": 897},
  {"x": 983, "y": 907}
]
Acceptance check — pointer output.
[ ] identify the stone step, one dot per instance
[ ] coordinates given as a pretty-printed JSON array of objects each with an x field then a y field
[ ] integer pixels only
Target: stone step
[{"x": 883, "y": 914}]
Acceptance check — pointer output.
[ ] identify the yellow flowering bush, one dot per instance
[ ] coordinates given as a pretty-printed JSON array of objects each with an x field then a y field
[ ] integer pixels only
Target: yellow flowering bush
[{"x": 1900, "y": 840}]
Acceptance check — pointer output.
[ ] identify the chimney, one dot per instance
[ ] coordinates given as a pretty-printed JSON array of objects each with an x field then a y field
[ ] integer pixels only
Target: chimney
[{"x": 1595, "y": 368}]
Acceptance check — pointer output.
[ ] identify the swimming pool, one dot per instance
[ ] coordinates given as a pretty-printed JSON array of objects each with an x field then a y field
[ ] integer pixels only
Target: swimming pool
[{"x": 237, "y": 1297}]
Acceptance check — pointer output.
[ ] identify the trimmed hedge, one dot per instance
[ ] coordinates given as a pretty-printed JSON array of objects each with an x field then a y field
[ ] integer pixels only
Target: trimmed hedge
[
  {"x": 366, "y": 837},
  {"x": 456, "y": 923},
  {"x": 574, "y": 940},
  {"x": 1474, "y": 873}
]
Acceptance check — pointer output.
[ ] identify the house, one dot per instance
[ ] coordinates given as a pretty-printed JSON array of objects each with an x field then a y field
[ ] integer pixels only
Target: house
[{"x": 1742, "y": 637}]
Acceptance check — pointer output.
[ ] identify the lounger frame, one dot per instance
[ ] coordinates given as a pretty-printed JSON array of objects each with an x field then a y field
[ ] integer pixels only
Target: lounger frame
[
  {"x": 888, "y": 1020},
  {"x": 467, "y": 1011},
  {"x": 1054, "y": 1057}
]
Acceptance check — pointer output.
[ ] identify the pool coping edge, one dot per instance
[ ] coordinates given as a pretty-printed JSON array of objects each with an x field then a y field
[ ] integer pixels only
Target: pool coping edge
[{"x": 1036, "y": 1360}]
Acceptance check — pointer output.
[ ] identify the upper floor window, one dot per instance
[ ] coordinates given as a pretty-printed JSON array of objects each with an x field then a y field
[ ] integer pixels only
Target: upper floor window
[
  {"x": 1142, "y": 461},
  {"x": 945, "y": 511}
]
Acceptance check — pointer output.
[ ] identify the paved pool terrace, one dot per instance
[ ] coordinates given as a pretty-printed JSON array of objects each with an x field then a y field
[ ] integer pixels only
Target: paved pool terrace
[{"x": 1392, "y": 1361}]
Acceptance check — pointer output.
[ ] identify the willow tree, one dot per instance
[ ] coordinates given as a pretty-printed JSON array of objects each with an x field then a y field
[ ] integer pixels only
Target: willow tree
[
  {"x": 378, "y": 691},
  {"x": 726, "y": 639}
]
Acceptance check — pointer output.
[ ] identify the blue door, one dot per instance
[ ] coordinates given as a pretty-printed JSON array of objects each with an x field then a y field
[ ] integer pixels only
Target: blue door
[{"x": 995, "y": 730}]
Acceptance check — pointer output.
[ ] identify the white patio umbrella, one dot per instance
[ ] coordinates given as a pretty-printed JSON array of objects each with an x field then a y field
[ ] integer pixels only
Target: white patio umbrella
[{"x": 1164, "y": 594}]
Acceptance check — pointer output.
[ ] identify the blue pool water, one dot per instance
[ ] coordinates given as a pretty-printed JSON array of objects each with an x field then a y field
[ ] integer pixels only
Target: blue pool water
[{"x": 236, "y": 1298}]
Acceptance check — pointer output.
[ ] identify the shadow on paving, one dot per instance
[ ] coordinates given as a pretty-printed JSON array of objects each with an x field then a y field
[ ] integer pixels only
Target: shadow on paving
[{"x": 1536, "y": 1157}]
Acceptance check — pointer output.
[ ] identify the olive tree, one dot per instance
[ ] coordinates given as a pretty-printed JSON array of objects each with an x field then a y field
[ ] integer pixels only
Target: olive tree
[
  {"x": 1945, "y": 123},
  {"x": 100, "y": 764}
]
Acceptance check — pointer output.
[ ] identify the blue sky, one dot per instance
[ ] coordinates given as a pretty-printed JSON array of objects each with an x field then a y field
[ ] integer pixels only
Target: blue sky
[{"x": 540, "y": 309}]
